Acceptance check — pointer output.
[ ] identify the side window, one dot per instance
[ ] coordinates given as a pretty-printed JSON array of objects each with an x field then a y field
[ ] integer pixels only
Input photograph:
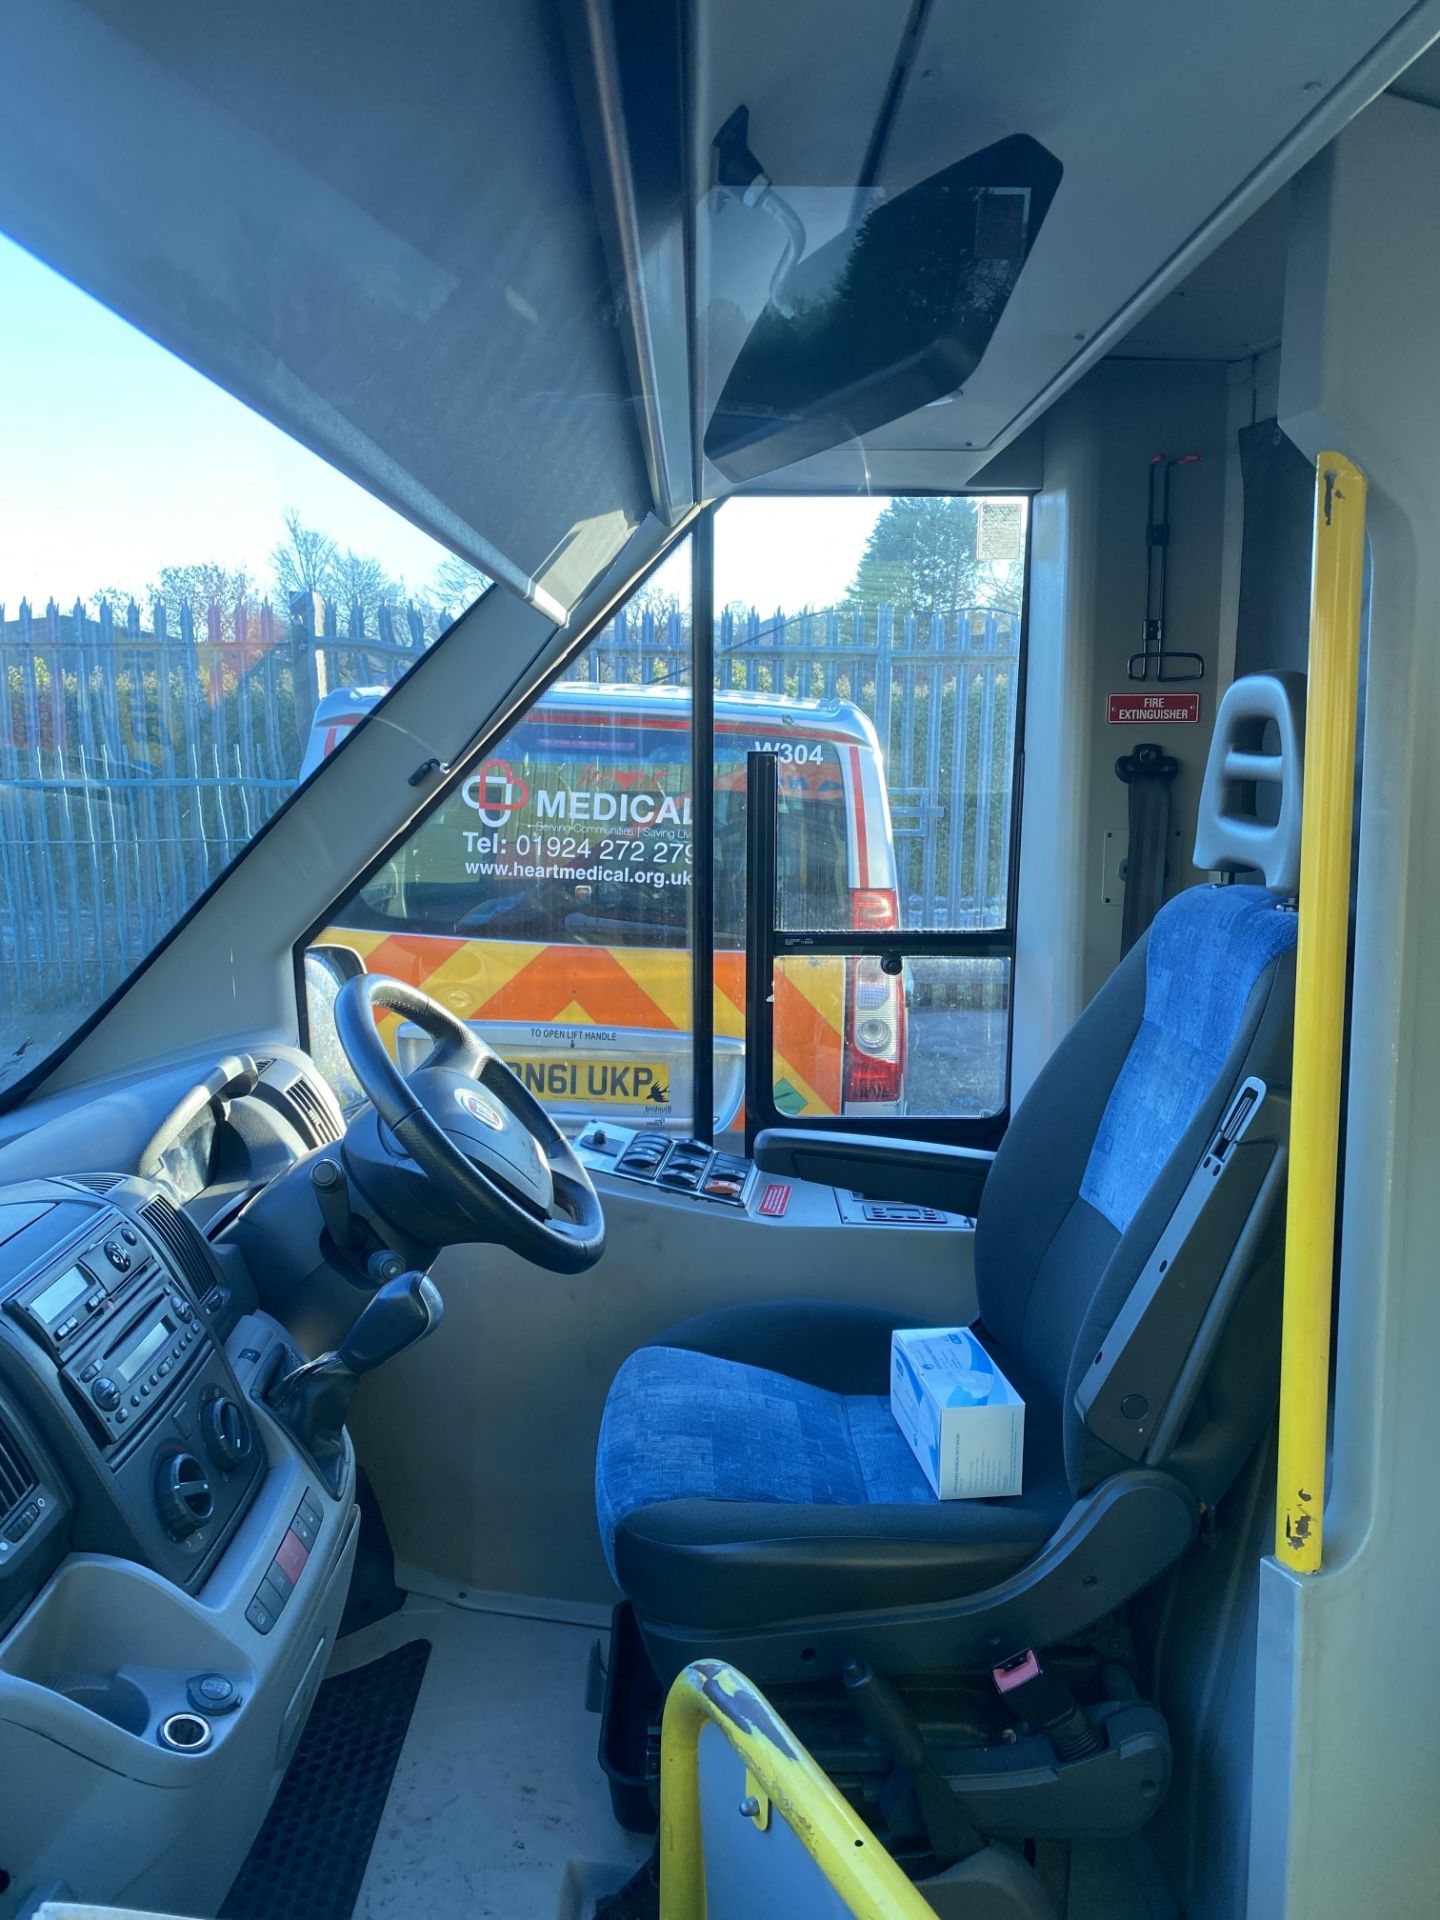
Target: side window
[
  {"x": 547, "y": 899},
  {"x": 550, "y": 896},
  {"x": 888, "y": 687}
]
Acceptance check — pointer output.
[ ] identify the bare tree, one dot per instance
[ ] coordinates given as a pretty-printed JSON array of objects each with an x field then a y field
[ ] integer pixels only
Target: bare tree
[
  {"x": 454, "y": 586},
  {"x": 357, "y": 579},
  {"x": 304, "y": 562}
]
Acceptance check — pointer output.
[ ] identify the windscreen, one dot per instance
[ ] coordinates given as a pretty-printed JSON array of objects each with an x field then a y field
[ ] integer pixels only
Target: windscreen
[
  {"x": 189, "y": 602},
  {"x": 578, "y": 830}
]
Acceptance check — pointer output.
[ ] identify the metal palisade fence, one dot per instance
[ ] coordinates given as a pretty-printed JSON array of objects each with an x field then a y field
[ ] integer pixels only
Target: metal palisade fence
[
  {"x": 139, "y": 753},
  {"x": 942, "y": 694}
]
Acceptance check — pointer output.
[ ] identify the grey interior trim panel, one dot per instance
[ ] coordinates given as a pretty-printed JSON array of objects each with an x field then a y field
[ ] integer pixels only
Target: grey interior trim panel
[{"x": 878, "y": 1165}]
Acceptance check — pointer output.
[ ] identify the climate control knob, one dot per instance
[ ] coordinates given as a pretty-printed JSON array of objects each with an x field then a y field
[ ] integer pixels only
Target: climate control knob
[
  {"x": 183, "y": 1498},
  {"x": 226, "y": 1432}
]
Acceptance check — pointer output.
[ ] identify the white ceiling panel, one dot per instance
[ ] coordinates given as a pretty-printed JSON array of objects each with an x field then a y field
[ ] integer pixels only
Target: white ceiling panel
[{"x": 1171, "y": 125}]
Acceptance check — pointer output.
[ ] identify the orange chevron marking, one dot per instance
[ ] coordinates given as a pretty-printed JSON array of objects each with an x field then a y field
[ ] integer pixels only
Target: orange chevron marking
[
  {"x": 504, "y": 980},
  {"x": 803, "y": 1033},
  {"x": 588, "y": 975}
]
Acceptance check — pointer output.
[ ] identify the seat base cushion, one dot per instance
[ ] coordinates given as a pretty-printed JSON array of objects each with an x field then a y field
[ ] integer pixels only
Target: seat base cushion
[{"x": 732, "y": 1495}]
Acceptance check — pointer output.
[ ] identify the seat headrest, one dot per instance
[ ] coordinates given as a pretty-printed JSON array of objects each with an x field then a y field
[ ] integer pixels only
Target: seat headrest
[{"x": 1252, "y": 798}]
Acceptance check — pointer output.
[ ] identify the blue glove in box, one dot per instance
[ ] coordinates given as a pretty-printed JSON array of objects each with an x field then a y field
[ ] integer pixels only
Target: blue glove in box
[{"x": 963, "y": 1419}]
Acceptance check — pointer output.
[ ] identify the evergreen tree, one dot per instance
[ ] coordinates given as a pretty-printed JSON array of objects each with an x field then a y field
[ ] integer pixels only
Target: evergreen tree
[{"x": 920, "y": 558}]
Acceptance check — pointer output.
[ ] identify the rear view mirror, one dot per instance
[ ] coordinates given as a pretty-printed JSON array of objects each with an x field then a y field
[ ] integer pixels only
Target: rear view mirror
[{"x": 890, "y": 315}]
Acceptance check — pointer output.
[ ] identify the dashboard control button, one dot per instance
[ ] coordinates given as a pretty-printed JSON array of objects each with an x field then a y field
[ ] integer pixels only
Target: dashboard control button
[
  {"x": 212, "y": 1693},
  {"x": 23, "y": 1521},
  {"x": 117, "y": 1256},
  {"x": 259, "y": 1615},
  {"x": 304, "y": 1530},
  {"x": 291, "y": 1555},
  {"x": 280, "y": 1580},
  {"x": 91, "y": 1371},
  {"x": 105, "y": 1394},
  {"x": 228, "y": 1437},
  {"x": 129, "y": 1236},
  {"x": 164, "y": 1367},
  {"x": 271, "y": 1596},
  {"x": 183, "y": 1497}
]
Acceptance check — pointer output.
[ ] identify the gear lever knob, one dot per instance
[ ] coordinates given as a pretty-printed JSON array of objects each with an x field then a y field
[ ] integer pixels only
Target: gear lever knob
[
  {"x": 402, "y": 1312},
  {"x": 313, "y": 1400}
]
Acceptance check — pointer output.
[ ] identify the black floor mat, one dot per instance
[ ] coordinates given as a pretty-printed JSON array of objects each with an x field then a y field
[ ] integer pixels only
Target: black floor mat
[{"x": 310, "y": 1856}]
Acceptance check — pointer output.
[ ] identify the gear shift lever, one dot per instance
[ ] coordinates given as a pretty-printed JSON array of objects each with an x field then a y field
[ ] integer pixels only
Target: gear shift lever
[{"x": 313, "y": 1399}]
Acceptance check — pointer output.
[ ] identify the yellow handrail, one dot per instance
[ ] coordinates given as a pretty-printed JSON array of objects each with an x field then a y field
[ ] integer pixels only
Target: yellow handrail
[
  {"x": 1333, "y": 695},
  {"x": 780, "y": 1775}
]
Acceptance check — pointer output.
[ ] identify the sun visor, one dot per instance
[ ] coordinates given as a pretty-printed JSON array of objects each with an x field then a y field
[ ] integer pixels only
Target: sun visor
[
  {"x": 376, "y": 228},
  {"x": 892, "y": 313}
]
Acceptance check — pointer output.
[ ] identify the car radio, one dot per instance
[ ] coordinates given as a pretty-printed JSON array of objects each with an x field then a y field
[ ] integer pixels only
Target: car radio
[
  {"x": 60, "y": 1308},
  {"x": 116, "y": 1382},
  {"x": 108, "y": 1343}
]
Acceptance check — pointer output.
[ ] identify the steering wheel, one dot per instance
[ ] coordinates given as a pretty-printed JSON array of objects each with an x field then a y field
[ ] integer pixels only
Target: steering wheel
[{"x": 472, "y": 1128}]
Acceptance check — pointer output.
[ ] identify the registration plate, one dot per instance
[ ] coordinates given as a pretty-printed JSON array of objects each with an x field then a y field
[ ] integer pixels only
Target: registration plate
[{"x": 630, "y": 1083}]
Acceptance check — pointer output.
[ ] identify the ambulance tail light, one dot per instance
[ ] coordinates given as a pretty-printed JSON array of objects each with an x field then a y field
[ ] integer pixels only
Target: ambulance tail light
[
  {"x": 874, "y": 908},
  {"x": 874, "y": 1011}
]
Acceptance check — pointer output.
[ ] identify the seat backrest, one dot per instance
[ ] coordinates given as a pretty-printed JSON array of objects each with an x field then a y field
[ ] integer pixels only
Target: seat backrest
[{"x": 1102, "y": 1161}]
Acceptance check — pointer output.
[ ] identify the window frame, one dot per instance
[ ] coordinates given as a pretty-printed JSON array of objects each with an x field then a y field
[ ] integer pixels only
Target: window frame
[
  {"x": 766, "y": 941},
  {"x": 982, "y": 1131},
  {"x": 515, "y": 709}
]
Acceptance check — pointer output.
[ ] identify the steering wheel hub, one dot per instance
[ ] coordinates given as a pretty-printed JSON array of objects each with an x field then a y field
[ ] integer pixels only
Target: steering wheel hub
[
  {"x": 474, "y": 1152},
  {"x": 487, "y": 1134}
]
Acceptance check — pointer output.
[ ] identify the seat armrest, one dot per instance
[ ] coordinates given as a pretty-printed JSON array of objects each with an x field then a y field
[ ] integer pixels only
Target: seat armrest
[{"x": 880, "y": 1166}]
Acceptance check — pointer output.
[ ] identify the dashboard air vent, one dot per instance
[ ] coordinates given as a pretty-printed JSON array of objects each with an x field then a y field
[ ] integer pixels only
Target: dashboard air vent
[
  {"x": 97, "y": 1182},
  {"x": 182, "y": 1242},
  {"x": 17, "y": 1476},
  {"x": 323, "y": 1127}
]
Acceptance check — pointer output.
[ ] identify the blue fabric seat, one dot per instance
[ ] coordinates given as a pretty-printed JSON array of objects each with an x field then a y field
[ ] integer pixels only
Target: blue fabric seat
[
  {"x": 686, "y": 1424},
  {"x": 742, "y": 1480},
  {"x": 793, "y": 1464},
  {"x": 754, "y": 1501}
]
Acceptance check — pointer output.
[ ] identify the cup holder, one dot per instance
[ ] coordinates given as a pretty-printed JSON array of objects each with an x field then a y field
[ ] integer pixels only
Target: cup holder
[
  {"x": 186, "y": 1733},
  {"x": 110, "y": 1695}
]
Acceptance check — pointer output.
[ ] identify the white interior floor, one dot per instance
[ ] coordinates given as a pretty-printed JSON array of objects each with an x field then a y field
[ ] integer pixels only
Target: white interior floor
[{"x": 498, "y": 1805}]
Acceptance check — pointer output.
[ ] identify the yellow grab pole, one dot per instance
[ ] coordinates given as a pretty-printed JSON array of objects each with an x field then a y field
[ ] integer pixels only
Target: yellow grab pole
[
  {"x": 781, "y": 1778},
  {"x": 1331, "y": 703}
]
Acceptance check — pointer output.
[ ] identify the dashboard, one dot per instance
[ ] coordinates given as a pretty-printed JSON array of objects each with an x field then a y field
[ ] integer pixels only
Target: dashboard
[
  {"x": 124, "y": 1424},
  {"x": 173, "y": 1567}
]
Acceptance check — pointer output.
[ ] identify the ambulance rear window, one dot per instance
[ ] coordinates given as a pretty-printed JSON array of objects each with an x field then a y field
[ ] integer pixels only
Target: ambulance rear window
[{"x": 578, "y": 831}]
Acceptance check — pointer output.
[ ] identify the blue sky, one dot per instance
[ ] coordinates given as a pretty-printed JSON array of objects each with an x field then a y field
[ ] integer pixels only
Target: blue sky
[{"x": 117, "y": 459}]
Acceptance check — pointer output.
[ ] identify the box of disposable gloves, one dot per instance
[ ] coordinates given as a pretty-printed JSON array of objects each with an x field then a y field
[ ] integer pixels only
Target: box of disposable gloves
[{"x": 963, "y": 1419}]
